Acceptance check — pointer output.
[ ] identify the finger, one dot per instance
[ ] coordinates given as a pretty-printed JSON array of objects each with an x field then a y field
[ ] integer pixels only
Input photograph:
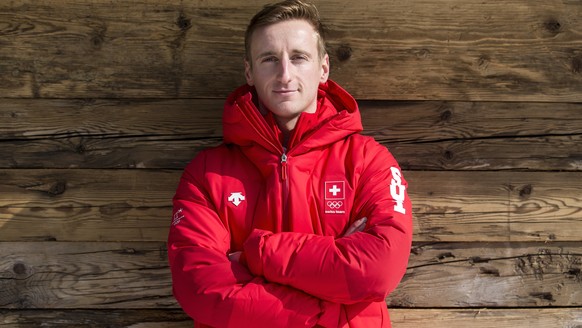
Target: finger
[
  {"x": 361, "y": 224},
  {"x": 350, "y": 231},
  {"x": 357, "y": 226},
  {"x": 234, "y": 257}
]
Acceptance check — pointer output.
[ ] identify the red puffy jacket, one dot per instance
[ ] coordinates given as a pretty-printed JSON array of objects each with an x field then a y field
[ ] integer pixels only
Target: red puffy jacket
[{"x": 287, "y": 211}]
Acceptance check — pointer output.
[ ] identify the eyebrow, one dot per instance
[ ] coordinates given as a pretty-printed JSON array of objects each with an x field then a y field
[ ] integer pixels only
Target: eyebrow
[{"x": 272, "y": 53}]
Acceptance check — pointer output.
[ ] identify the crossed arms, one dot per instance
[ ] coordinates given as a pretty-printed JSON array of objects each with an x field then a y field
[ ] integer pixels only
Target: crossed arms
[{"x": 289, "y": 278}]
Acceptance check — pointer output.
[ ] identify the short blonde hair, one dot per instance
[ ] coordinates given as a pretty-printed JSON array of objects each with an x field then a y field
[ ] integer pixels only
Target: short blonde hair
[{"x": 283, "y": 11}]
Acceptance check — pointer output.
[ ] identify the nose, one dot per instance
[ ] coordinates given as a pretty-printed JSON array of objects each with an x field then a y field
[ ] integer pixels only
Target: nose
[{"x": 285, "y": 74}]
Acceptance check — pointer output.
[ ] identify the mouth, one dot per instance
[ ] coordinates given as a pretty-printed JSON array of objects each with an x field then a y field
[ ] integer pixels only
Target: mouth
[{"x": 284, "y": 92}]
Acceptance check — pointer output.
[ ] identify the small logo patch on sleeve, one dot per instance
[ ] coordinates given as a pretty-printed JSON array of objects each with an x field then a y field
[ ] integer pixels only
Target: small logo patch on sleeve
[
  {"x": 397, "y": 190},
  {"x": 178, "y": 216}
]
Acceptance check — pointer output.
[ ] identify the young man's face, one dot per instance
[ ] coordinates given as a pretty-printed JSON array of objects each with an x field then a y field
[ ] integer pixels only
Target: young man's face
[{"x": 286, "y": 69}]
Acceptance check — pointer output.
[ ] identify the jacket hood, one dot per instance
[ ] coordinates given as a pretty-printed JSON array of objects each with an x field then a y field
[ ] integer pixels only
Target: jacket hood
[{"x": 337, "y": 117}]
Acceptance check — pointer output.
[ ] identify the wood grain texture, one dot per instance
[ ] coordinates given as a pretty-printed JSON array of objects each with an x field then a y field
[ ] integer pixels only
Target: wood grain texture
[
  {"x": 157, "y": 134},
  {"x": 142, "y": 318},
  {"x": 84, "y": 275},
  {"x": 107, "y": 275},
  {"x": 496, "y": 206},
  {"x": 401, "y": 318},
  {"x": 486, "y": 318},
  {"x": 123, "y": 205},
  {"x": 491, "y": 275},
  {"x": 103, "y": 103},
  {"x": 113, "y": 222},
  {"x": 542, "y": 153},
  {"x": 511, "y": 51}
]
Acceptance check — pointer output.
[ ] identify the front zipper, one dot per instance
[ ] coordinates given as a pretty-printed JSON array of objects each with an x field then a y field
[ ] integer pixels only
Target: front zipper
[
  {"x": 285, "y": 190},
  {"x": 284, "y": 166}
]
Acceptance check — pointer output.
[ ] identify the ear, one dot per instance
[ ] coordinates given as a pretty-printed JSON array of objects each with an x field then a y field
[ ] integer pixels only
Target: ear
[
  {"x": 324, "y": 68},
  {"x": 249, "y": 73}
]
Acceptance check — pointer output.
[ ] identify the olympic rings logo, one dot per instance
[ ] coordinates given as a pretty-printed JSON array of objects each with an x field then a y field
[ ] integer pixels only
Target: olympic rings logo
[{"x": 335, "y": 204}]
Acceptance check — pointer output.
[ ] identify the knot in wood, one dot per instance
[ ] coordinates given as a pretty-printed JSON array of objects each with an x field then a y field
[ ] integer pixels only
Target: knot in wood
[
  {"x": 525, "y": 191},
  {"x": 574, "y": 273},
  {"x": 448, "y": 155},
  {"x": 57, "y": 188},
  {"x": 344, "y": 52},
  {"x": 552, "y": 25},
  {"x": 19, "y": 268},
  {"x": 577, "y": 65},
  {"x": 96, "y": 41},
  {"x": 446, "y": 116},
  {"x": 545, "y": 296},
  {"x": 80, "y": 148},
  {"x": 183, "y": 22},
  {"x": 98, "y": 36},
  {"x": 478, "y": 259},
  {"x": 483, "y": 62},
  {"x": 444, "y": 256}
]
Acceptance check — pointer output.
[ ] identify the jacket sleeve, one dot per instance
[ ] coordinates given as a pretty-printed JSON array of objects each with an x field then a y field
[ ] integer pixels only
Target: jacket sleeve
[
  {"x": 364, "y": 266},
  {"x": 217, "y": 292}
]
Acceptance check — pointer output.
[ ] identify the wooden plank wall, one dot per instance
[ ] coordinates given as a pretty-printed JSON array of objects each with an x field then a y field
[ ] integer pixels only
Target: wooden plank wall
[{"x": 102, "y": 103}]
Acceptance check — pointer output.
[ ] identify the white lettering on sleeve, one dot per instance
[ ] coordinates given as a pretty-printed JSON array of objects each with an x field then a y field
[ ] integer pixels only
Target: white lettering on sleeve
[{"x": 397, "y": 190}]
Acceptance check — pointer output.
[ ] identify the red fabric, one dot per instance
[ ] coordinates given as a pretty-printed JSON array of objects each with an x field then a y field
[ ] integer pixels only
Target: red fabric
[{"x": 298, "y": 270}]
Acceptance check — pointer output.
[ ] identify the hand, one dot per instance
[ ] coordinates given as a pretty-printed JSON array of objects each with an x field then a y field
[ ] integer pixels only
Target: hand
[
  {"x": 234, "y": 256},
  {"x": 357, "y": 226}
]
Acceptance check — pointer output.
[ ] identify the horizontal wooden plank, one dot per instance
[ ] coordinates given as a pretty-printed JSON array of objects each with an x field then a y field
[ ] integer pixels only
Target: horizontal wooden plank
[
  {"x": 112, "y": 222},
  {"x": 86, "y": 188},
  {"x": 515, "y": 51},
  {"x": 112, "y": 275},
  {"x": 37, "y": 119},
  {"x": 543, "y": 153},
  {"x": 388, "y": 121},
  {"x": 512, "y": 153},
  {"x": 146, "y": 318},
  {"x": 401, "y": 318},
  {"x": 428, "y": 135},
  {"x": 135, "y": 205},
  {"x": 491, "y": 275},
  {"x": 84, "y": 275},
  {"x": 486, "y": 318},
  {"x": 496, "y": 206},
  {"x": 436, "y": 121}
]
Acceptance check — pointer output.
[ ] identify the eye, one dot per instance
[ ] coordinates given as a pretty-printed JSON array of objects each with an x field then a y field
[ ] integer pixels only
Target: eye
[
  {"x": 270, "y": 59},
  {"x": 299, "y": 58}
]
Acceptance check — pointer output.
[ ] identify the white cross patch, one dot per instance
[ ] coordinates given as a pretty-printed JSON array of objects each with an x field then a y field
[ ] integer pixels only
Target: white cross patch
[{"x": 335, "y": 190}]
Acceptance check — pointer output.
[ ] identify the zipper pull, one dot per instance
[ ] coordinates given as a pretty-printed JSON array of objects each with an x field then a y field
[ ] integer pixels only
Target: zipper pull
[{"x": 284, "y": 166}]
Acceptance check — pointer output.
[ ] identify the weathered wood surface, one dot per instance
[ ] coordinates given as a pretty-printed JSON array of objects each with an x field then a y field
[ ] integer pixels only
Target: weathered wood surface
[
  {"x": 111, "y": 205},
  {"x": 514, "y": 50},
  {"x": 84, "y": 275},
  {"x": 494, "y": 158},
  {"x": 542, "y": 153},
  {"x": 401, "y": 318},
  {"x": 135, "y": 275},
  {"x": 168, "y": 133},
  {"x": 487, "y": 318},
  {"x": 144, "y": 318},
  {"x": 492, "y": 275}
]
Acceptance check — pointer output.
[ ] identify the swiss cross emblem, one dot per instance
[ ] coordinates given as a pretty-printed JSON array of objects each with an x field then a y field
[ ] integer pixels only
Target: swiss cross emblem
[{"x": 335, "y": 196}]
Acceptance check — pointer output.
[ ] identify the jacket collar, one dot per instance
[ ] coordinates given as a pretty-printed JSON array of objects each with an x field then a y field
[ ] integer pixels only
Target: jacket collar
[{"x": 337, "y": 117}]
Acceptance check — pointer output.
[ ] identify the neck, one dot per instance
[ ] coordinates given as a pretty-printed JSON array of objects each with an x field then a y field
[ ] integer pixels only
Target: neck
[{"x": 286, "y": 126}]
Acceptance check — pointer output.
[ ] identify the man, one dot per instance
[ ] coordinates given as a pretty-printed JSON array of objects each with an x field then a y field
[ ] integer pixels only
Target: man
[{"x": 297, "y": 220}]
